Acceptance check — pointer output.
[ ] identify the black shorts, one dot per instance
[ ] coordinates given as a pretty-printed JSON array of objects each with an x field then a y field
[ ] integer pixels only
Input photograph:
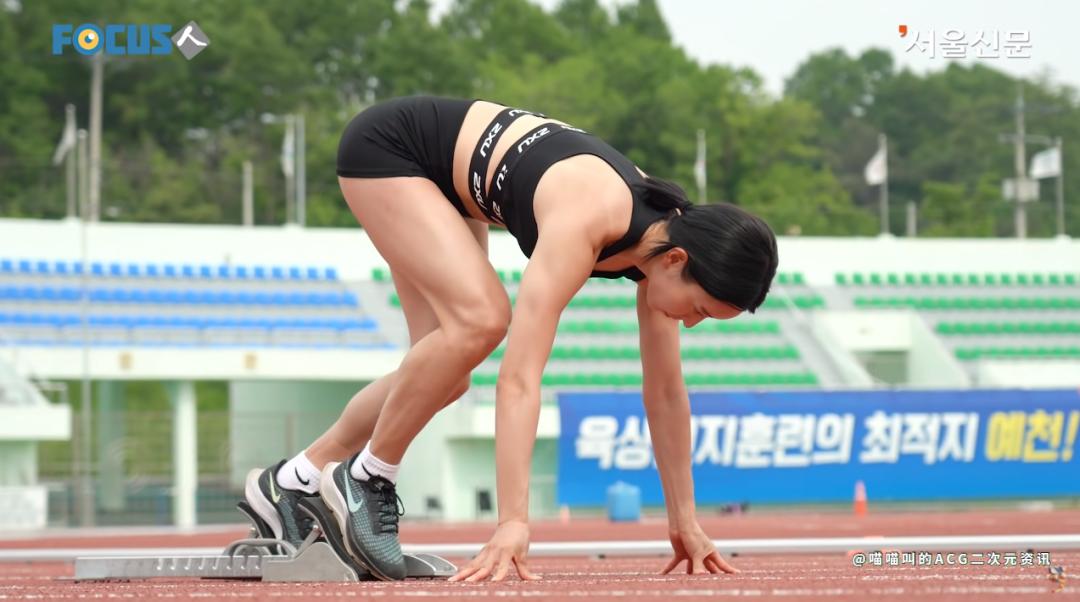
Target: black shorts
[{"x": 411, "y": 136}]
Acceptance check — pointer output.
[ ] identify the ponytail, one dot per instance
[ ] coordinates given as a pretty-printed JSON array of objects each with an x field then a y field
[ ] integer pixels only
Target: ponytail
[{"x": 662, "y": 194}]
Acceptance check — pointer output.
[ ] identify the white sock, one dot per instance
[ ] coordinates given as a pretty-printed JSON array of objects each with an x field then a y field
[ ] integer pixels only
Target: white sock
[
  {"x": 374, "y": 466},
  {"x": 299, "y": 474}
]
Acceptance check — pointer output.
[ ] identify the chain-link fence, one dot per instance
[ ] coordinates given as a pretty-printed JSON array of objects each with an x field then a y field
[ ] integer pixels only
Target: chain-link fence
[{"x": 131, "y": 468}]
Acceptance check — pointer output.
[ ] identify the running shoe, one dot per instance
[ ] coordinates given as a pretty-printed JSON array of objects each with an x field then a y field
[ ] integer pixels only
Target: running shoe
[
  {"x": 277, "y": 505},
  {"x": 367, "y": 513}
]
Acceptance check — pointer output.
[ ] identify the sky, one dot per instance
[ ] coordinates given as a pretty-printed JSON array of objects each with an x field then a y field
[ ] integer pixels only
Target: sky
[{"x": 774, "y": 36}]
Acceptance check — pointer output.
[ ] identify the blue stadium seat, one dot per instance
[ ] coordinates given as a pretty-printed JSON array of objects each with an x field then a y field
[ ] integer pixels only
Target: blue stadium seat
[
  {"x": 133, "y": 270},
  {"x": 6, "y": 266},
  {"x": 42, "y": 268},
  {"x": 97, "y": 269},
  {"x": 77, "y": 268},
  {"x": 169, "y": 270},
  {"x": 151, "y": 270},
  {"x": 313, "y": 273},
  {"x": 30, "y": 293},
  {"x": 115, "y": 270},
  {"x": 295, "y": 273},
  {"x": 350, "y": 299},
  {"x": 50, "y": 294},
  {"x": 259, "y": 272},
  {"x": 277, "y": 273},
  {"x": 223, "y": 272},
  {"x": 60, "y": 267},
  {"x": 330, "y": 273},
  {"x": 70, "y": 294},
  {"x": 242, "y": 272},
  {"x": 206, "y": 271},
  {"x": 25, "y": 267},
  {"x": 138, "y": 296},
  {"x": 187, "y": 271}
]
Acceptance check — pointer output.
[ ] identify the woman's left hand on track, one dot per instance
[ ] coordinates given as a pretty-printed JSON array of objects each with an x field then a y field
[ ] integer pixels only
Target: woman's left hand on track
[
  {"x": 694, "y": 546},
  {"x": 509, "y": 545}
]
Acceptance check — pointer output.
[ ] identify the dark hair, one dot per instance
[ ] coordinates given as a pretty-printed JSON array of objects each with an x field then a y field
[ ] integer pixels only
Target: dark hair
[{"x": 732, "y": 253}]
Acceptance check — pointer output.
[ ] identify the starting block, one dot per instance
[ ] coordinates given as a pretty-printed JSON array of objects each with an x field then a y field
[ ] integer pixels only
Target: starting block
[{"x": 319, "y": 558}]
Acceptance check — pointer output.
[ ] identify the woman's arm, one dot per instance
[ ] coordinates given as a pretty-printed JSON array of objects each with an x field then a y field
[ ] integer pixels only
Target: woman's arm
[
  {"x": 667, "y": 406},
  {"x": 559, "y": 266},
  {"x": 562, "y": 261}
]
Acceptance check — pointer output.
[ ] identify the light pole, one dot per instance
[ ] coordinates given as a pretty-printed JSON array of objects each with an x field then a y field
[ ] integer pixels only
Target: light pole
[{"x": 292, "y": 165}]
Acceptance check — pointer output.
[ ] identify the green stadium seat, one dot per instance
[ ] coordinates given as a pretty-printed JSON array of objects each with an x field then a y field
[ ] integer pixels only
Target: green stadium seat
[
  {"x": 841, "y": 280},
  {"x": 910, "y": 279}
]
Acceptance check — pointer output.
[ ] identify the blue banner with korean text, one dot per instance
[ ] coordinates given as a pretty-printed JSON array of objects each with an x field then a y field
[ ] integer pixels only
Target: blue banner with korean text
[{"x": 812, "y": 446}]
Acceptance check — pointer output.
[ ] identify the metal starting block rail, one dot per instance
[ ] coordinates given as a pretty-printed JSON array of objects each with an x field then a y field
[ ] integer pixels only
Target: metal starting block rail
[{"x": 320, "y": 557}]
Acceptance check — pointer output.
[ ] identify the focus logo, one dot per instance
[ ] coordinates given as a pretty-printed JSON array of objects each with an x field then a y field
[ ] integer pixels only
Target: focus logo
[{"x": 127, "y": 39}]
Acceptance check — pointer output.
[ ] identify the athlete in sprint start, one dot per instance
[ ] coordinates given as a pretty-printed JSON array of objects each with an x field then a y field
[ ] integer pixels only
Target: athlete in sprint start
[{"x": 425, "y": 177}]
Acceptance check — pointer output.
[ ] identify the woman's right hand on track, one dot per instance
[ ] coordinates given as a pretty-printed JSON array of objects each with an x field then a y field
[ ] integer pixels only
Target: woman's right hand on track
[{"x": 509, "y": 545}]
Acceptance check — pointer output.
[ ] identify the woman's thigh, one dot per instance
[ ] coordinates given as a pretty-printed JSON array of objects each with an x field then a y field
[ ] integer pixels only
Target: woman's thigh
[
  {"x": 440, "y": 267},
  {"x": 420, "y": 318}
]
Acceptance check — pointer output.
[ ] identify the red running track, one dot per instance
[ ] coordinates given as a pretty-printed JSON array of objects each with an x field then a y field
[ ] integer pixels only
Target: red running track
[{"x": 786, "y": 577}]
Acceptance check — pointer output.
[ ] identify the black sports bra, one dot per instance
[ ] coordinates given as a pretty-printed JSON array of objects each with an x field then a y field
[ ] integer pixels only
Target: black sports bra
[{"x": 509, "y": 200}]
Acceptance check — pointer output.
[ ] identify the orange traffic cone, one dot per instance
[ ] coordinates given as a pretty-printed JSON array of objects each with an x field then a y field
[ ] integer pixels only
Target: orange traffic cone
[{"x": 860, "y": 499}]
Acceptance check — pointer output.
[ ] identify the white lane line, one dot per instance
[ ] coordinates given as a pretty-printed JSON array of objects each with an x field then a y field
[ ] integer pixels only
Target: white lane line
[{"x": 637, "y": 548}]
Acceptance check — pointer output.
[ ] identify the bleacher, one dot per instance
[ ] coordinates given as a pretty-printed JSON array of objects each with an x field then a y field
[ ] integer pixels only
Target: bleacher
[
  {"x": 150, "y": 304},
  {"x": 1003, "y": 316},
  {"x": 597, "y": 344}
]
